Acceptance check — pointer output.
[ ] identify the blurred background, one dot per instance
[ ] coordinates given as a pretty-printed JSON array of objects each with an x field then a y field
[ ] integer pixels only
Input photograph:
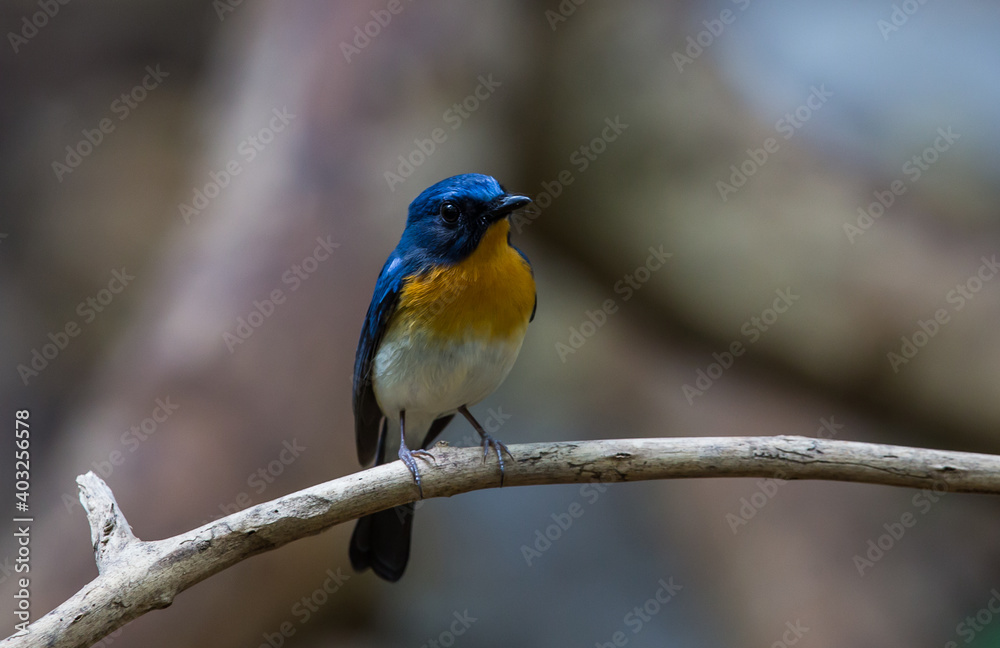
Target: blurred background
[{"x": 751, "y": 219}]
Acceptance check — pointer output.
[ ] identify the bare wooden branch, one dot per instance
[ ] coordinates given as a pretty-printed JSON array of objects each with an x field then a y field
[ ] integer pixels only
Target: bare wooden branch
[
  {"x": 110, "y": 533},
  {"x": 137, "y": 576}
]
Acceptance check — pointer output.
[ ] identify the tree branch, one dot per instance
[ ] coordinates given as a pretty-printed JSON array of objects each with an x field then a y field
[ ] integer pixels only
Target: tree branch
[{"x": 137, "y": 576}]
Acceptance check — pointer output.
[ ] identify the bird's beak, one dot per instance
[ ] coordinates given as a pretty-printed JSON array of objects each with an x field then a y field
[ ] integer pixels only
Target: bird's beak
[{"x": 504, "y": 205}]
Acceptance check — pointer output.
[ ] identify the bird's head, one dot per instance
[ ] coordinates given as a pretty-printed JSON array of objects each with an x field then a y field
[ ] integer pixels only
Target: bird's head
[{"x": 448, "y": 219}]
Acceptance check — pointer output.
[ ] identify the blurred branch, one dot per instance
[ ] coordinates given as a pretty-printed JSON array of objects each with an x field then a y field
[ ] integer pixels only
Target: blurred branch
[{"x": 137, "y": 576}]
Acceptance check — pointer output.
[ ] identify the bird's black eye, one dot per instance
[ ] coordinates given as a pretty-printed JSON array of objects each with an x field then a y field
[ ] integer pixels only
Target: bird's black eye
[{"x": 450, "y": 212}]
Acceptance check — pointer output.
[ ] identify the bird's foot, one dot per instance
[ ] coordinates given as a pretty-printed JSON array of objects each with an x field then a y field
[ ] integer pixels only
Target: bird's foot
[
  {"x": 407, "y": 456},
  {"x": 500, "y": 448}
]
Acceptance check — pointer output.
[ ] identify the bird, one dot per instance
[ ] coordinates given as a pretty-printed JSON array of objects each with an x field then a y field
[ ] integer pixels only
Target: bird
[{"x": 446, "y": 322}]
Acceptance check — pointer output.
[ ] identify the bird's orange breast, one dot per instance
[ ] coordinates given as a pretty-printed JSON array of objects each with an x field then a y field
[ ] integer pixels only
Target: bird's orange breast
[{"x": 489, "y": 294}]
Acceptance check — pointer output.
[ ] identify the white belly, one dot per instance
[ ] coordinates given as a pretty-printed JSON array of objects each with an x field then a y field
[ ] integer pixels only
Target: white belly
[{"x": 414, "y": 373}]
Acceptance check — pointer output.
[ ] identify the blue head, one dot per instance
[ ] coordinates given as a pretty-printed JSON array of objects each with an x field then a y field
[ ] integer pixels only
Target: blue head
[{"x": 448, "y": 219}]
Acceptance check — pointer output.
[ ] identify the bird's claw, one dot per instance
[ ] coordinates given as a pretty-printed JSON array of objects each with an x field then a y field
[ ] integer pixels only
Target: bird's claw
[
  {"x": 500, "y": 448},
  {"x": 407, "y": 457}
]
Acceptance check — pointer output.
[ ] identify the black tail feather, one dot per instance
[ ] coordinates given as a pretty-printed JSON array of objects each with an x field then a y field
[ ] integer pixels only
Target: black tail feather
[{"x": 381, "y": 541}]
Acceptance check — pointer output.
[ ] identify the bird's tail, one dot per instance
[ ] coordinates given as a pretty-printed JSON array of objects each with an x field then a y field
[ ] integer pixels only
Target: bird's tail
[{"x": 382, "y": 541}]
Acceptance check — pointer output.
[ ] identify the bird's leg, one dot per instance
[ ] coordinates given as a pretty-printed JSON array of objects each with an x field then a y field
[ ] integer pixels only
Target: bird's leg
[
  {"x": 487, "y": 441},
  {"x": 406, "y": 455}
]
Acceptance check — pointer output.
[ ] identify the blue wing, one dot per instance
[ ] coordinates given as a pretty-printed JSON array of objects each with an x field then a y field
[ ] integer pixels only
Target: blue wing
[{"x": 367, "y": 414}]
